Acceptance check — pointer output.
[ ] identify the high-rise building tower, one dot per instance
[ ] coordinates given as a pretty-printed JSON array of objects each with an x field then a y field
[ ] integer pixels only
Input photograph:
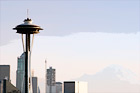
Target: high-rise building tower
[
  {"x": 5, "y": 82},
  {"x": 51, "y": 88},
  {"x": 20, "y": 72},
  {"x": 5, "y": 72}
]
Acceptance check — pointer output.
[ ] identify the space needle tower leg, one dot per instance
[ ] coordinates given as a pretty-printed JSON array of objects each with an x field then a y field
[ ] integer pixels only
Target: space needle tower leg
[{"x": 26, "y": 61}]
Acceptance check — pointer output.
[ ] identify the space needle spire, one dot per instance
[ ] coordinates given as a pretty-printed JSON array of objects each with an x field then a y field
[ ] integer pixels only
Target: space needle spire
[{"x": 27, "y": 28}]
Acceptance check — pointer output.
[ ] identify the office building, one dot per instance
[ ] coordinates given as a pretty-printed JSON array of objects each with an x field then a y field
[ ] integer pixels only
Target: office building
[
  {"x": 39, "y": 90},
  {"x": 20, "y": 72},
  {"x": 5, "y": 72},
  {"x": 51, "y": 88},
  {"x": 75, "y": 87},
  {"x": 58, "y": 87},
  {"x": 4, "y": 75},
  {"x": 35, "y": 84}
]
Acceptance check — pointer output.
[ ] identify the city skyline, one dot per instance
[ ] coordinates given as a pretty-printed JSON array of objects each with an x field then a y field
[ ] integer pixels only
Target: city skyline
[{"x": 85, "y": 35}]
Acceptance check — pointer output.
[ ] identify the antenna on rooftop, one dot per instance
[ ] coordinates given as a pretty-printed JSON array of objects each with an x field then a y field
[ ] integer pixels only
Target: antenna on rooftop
[
  {"x": 27, "y": 13},
  {"x": 46, "y": 75},
  {"x": 32, "y": 73}
]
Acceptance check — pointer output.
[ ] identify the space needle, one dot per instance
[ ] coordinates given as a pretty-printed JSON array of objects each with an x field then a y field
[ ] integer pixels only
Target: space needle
[{"x": 27, "y": 29}]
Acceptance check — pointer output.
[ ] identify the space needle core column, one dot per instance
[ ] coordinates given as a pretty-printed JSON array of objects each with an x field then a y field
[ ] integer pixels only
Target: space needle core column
[{"x": 27, "y": 28}]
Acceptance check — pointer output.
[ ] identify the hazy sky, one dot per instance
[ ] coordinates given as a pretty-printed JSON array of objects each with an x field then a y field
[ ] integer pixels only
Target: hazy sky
[
  {"x": 60, "y": 18},
  {"x": 79, "y": 37}
]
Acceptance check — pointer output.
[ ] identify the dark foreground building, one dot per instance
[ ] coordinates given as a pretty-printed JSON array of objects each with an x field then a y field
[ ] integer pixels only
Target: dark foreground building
[
  {"x": 75, "y": 87},
  {"x": 7, "y": 87}
]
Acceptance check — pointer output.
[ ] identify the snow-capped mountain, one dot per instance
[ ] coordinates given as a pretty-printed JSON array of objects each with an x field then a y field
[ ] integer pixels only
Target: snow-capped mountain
[
  {"x": 121, "y": 73},
  {"x": 113, "y": 78}
]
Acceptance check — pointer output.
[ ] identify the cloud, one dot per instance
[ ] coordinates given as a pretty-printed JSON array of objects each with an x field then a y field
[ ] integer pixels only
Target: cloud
[{"x": 68, "y": 17}]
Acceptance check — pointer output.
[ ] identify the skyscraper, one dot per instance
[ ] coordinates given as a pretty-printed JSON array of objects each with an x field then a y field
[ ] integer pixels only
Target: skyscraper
[
  {"x": 51, "y": 88},
  {"x": 5, "y": 72},
  {"x": 20, "y": 72},
  {"x": 4, "y": 75},
  {"x": 5, "y": 82}
]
